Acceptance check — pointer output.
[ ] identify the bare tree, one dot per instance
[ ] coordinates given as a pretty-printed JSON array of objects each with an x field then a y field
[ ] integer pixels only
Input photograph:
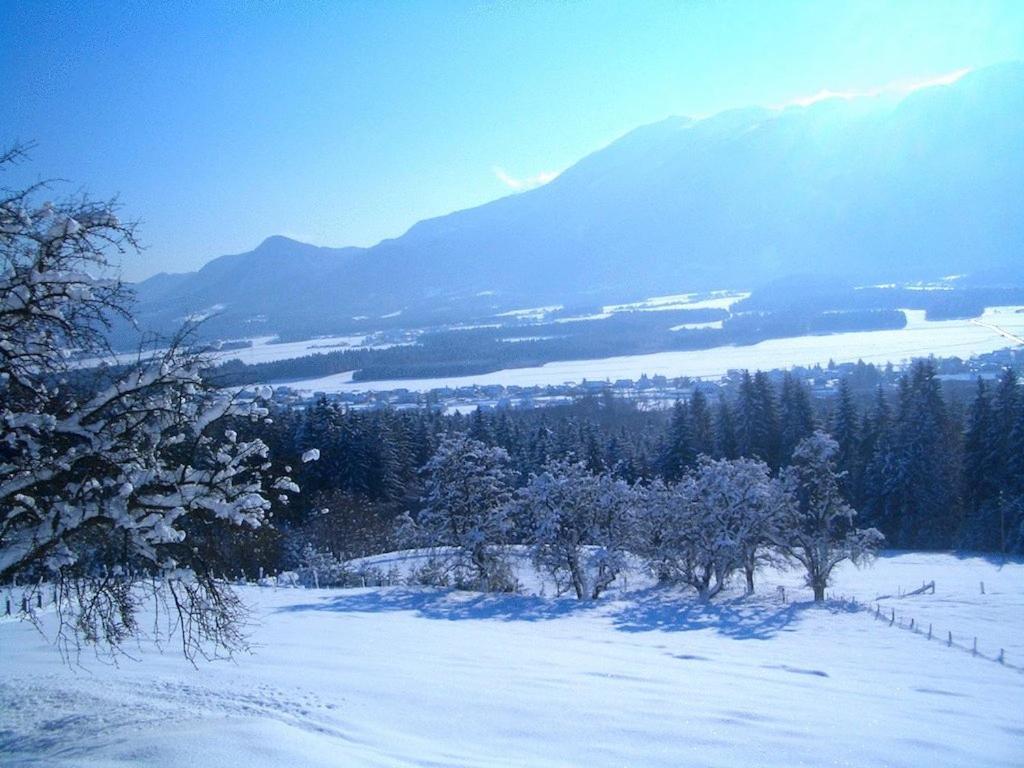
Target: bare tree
[{"x": 107, "y": 471}]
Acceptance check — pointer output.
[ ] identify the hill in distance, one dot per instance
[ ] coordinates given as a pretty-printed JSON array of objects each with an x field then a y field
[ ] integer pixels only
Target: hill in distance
[{"x": 867, "y": 190}]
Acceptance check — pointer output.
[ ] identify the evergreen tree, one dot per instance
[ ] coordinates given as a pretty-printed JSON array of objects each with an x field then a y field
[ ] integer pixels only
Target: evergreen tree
[
  {"x": 924, "y": 475},
  {"x": 726, "y": 441},
  {"x": 796, "y": 415},
  {"x": 1005, "y": 407},
  {"x": 845, "y": 429},
  {"x": 479, "y": 429},
  {"x": 679, "y": 453},
  {"x": 875, "y": 444},
  {"x": 757, "y": 421},
  {"x": 701, "y": 424},
  {"x": 979, "y": 485}
]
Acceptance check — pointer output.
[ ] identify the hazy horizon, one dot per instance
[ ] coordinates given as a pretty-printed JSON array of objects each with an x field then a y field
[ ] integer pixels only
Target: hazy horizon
[
  {"x": 340, "y": 126},
  {"x": 891, "y": 91}
]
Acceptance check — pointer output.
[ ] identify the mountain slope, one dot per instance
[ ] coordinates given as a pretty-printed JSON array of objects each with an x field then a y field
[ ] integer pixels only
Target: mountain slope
[{"x": 865, "y": 189}]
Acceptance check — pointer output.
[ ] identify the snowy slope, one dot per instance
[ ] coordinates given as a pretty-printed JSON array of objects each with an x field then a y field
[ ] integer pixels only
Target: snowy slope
[{"x": 413, "y": 677}]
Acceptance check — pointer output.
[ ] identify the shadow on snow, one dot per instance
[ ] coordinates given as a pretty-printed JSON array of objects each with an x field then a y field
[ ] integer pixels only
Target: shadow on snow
[
  {"x": 657, "y": 608},
  {"x": 743, "y": 618},
  {"x": 448, "y": 604}
]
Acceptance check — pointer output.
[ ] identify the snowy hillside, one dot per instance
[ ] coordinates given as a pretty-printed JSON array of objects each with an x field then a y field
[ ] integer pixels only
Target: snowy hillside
[{"x": 405, "y": 676}]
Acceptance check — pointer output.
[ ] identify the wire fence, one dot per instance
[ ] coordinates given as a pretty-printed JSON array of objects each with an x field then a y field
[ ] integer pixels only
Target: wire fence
[{"x": 889, "y": 617}]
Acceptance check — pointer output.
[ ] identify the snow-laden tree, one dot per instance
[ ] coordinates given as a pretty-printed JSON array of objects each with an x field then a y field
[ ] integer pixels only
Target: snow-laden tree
[
  {"x": 819, "y": 532},
  {"x": 579, "y": 525},
  {"x": 320, "y": 568},
  {"x": 740, "y": 500},
  {"x": 683, "y": 542},
  {"x": 720, "y": 518},
  {"x": 466, "y": 517},
  {"x": 106, "y": 472},
  {"x": 655, "y": 529}
]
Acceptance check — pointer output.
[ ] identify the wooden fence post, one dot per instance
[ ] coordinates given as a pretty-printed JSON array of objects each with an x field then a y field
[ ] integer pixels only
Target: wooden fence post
[
  {"x": 949, "y": 641},
  {"x": 974, "y": 650},
  {"x": 983, "y": 587},
  {"x": 1001, "y": 657},
  {"x": 893, "y": 619},
  {"x": 929, "y": 631}
]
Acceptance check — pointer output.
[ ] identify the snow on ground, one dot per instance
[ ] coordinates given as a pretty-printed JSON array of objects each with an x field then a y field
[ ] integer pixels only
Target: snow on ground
[
  {"x": 996, "y": 617},
  {"x": 407, "y": 676},
  {"x": 919, "y": 338},
  {"x": 697, "y": 326},
  {"x": 712, "y": 300},
  {"x": 264, "y": 349},
  {"x": 531, "y": 313}
]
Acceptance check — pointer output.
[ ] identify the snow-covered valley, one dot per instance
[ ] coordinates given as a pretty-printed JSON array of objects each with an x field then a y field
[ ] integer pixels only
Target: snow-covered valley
[
  {"x": 405, "y": 676},
  {"x": 996, "y": 328}
]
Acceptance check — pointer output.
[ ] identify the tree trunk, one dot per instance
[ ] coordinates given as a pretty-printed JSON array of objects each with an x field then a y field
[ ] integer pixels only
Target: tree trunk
[
  {"x": 578, "y": 581},
  {"x": 749, "y": 569},
  {"x": 704, "y": 588},
  {"x": 819, "y": 591}
]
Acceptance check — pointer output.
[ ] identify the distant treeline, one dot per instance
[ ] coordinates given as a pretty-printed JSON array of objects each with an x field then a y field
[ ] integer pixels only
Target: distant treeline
[
  {"x": 482, "y": 350},
  {"x": 812, "y": 295},
  {"x": 929, "y": 469}
]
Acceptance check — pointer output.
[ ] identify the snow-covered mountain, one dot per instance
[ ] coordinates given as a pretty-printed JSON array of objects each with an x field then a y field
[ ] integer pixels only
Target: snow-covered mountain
[{"x": 874, "y": 189}]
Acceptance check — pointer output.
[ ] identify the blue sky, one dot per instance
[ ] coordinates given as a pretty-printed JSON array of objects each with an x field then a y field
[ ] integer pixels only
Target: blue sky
[{"x": 344, "y": 123}]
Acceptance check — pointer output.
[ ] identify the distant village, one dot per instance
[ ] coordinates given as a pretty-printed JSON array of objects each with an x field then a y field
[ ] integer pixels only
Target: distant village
[{"x": 654, "y": 392}]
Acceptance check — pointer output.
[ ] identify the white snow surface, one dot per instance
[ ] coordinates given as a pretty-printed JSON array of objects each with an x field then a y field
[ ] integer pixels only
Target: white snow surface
[
  {"x": 697, "y": 326},
  {"x": 264, "y": 349},
  {"x": 920, "y": 338},
  {"x": 713, "y": 300},
  {"x": 405, "y": 676}
]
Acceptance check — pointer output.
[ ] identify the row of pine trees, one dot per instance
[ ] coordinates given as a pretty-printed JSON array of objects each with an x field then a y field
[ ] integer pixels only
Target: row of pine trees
[{"x": 928, "y": 470}]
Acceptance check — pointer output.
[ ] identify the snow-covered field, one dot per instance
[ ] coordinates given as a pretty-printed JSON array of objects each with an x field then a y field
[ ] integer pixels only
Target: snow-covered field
[
  {"x": 404, "y": 676},
  {"x": 712, "y": 300},
  {"x": 263, "y": 349},
  {"x": 919, "y": 338}
]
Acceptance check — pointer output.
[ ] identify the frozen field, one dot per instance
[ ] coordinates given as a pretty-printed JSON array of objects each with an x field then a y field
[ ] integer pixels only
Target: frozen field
[
  {"x": 413, "y": 677},
  {"x": 264, "y": 349},
  {"x": 997, "y": 328}
]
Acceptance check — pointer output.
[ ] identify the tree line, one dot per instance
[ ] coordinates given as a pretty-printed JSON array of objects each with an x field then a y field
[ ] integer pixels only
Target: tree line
[
  {"x": 927, "y": 470},
  {"x": 582, "y": 528}
]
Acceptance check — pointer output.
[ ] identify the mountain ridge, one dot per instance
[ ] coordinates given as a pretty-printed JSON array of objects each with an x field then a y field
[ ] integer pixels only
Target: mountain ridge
[{"x": 881, "y": 190}]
